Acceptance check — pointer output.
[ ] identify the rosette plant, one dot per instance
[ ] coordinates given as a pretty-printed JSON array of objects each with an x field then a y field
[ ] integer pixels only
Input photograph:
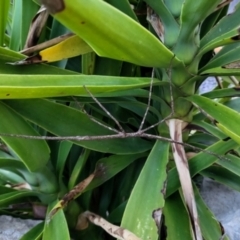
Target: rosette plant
[{"x": 119, "y": 116}]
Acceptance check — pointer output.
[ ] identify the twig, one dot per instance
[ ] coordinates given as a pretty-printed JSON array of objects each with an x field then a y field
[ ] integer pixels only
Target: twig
[
  {"x": 149, "y": 102},
  {"x": 170, "y": 87},
  {"x": 106, "y": 111},
  {"x": 171, "y": 98},
  {"x": 39, "y": 47},
  {"x": 95, "y": 120},
  {"x": 114, "y": 136},
  {"x": 204, "y": 113}
]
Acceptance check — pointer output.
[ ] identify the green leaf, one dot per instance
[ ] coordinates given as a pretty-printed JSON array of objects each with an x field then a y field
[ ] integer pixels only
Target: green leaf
[
  {"x": 57, "y": 227},
  {"x": 210, "y": 128},
  {"x": 43, "y": 181},
  {"x": 112, "y": 165},
  {"x": 223, "y": 176},
  {"x": 225, "y": 31},
  {"x": 88, "y": 63},
  {"x": 221, "y": 71},
  {"x": 65, "y": 121},
  {"x": 199, "y": 162},
  {"x": 233, "y": 103},
  {"x": 16, "y": 34},
  {"x": 145, "y": 197},
  {"x": 176, "y": 227},
  {"x": 9, "y": 198},
  {"x": 107, "y": 66},
  {"x": 107, "y": 40},
  {"x": 174, "y": 7},
  {"x": 3, "y": 19},
  {"x": 4, "y": 155},
  {"x": 192, "y": 14},
  {"x": 8, "y": 176},
  {"x": 210, "y": 21},
  {"x": 222, "y": 93},
  {"x": 123, "y": 6},
  {"x": 227, "y": 119},
  {"x": 233, "y": 164},
  {"x": 34, "y": 154},
  {"x": 40, "y": 86},
  {"x": 78, "y": 168},
  {"x": 170, "y": 25},
  {"x": 11, "y": 164},
  {"x": 229, "y": 54},
  {"x": 6, "y": 190},
  {"x": 35, "y": 233},
  {"x": 230, "y": 133},
  {"x": 64, "y": 149},
  {"x": 10, "y": 55},
  {"x": 210, "y": 227}
]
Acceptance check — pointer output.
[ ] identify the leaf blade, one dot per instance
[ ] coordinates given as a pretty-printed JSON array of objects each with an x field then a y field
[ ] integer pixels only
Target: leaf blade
[
  {"x": 27, "y": 151},
  {"x": 139, "y": 220}
]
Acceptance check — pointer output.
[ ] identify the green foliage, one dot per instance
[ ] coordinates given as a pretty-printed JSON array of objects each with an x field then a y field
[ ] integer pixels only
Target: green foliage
[{"x": 129, "y": 178}]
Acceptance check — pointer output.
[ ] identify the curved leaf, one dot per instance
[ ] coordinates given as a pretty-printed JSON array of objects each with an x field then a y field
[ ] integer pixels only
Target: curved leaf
[
  {"x": 213, "y": 130},
  {"x": 233, "y": 165},
  {"x": 229, "y": 54},
  {"x": 221, "y": 93},
  {"x": 65, "y": 121},
  {"x": 3, "y": 19},
  {"x": 70, "y": 47},
  {"x": 170, "y": 25},
  {"x": 223, "y": 176},
  {"x": 57, "y": 227},
  {"x": 227, "y": 119},
  {"x": 225, "y": 31},
  {"x": 9, "y": 55},
  {"x": 177, "y": 228},
  {"x": 199, "y": 162},
  {"x": 112, "y": 165},
  {"x": 14, "y": 171},
  {"x": 9, "y": 198},
  {"x": 192, "y": 14},
  {"x": 211, "y": 228},
  {"x": 229, "y": 133},
  {"x": 147, "y": 197},
  {"x": 35, "y": 233},
  {"x": 107, "y": 40},
  {"x": 33, "y": 154},
  {"x": 124, "y": 6},
  {"x": 221, "y": 71},
  {"x": 40, "y": 86}
]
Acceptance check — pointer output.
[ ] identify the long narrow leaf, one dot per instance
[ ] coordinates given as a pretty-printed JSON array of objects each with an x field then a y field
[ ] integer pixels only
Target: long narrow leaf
[
  {"x": 225, "y": 32},
  {"x": 40, "y": 86},
  {"x": 57, "y": 228},
  {"x": 65, "y": 121},
  {"x": 3, "y": 19},
  {"x": 146, "y": 197},
  {"x": 222, "y": 176},
  {"x": 210, "y": 227},
  {"x": 33, "y": 154},
  {"x": 177, "y": 222},
  {"x": 227, "y": 119},
  {"x": 107, "y": 40},
  {"x": 199, "y": 162}
]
